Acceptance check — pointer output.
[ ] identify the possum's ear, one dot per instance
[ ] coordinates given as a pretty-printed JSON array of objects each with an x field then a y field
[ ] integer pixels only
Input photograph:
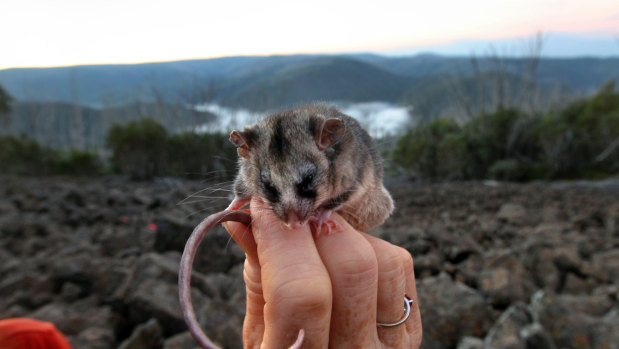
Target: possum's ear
[
  {"x": 330, "y": 132},
  {"x": 243, "y": 141}
]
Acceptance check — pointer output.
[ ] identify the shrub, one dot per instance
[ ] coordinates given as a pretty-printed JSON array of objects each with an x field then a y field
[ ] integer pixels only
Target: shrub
[
  {"x": 501, "y": 135},
  {"x": 143, "y": 150},
  {"x": 583, "y": 139},
  {"x": 138, "y": 148},
  {"x": 23, "y": 156},
  {"x": 432, "y": 150},
  {"x": 78, "y": 163},
  {"x": 193, "y": 155}
]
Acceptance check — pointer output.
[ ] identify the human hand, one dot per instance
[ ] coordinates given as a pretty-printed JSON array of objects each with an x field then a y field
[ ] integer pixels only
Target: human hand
[{"x": 335, "y": 287}]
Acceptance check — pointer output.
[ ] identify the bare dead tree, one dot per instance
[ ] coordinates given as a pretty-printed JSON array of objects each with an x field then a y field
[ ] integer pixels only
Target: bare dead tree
[
  {"x": 5, "y": 110},
  {"x": 77, "y": 129},
  {"x": 481, "y": 87},
  {"x": 529, "y": 88},
  {"x": 463, "y": 99},
  {"x": 198, "y": 93}
]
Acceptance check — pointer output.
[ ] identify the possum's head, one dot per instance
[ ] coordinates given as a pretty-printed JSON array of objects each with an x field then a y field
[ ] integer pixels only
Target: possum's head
[{"x": 287, "y": 160}]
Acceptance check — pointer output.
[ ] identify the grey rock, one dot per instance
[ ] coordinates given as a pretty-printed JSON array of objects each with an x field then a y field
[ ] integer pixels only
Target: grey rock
[
  {"x": 95, "y": 338},
  {"x": 568, "y": 328},
  {"x": 607, "y": 335},
  {"x": 535, "y": 336},
  {"x": 145, "y": 336},
  {"x": 172, "y": 233},
  {"x": 512, "y": 213},
  {"x": 552, "y": 214},
  {"x": 146, "y": 197},
  {"x": 164, "y": 267},
  {"x": 574, "y": 284},
  {"x": 28, "y": 281},
  {"x": 71, "y": 292},
  {"x": 428, "y": 264},
  {"x": 606, "y": 264},
  {"x": 451, "y": 310},
  {"x": 223, "y": 322},
  {"x": 504, "y": 279},
  {"x": 78, "y": 269},
  {"x": 506, "y": 332},
  {"x": 471, "y": 343},
  {"x": 595, "y": 305},
  {"x": 109, "y": 275},
  {"x": 158, "y": 299},
  {"x": 73, "y": 318},
  {"x": 181, "y": 341},
  {"x": 537, "y": 259}
]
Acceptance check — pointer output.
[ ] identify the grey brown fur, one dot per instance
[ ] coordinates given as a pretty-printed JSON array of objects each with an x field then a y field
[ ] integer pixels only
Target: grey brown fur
[{"x": 309, "y": 161}]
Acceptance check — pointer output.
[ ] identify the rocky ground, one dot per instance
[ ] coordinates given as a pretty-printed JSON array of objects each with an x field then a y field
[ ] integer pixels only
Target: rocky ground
[{"x": 498, "y": 265}]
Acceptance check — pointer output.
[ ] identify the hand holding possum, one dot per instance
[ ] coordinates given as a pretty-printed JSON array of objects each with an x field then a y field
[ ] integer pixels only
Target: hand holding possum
[
  {"x": 335, "y": 287},
  {"x": 309, "y": 162}
]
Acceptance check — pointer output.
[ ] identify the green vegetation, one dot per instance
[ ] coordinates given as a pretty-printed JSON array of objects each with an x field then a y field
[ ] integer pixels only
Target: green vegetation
[
  {"x": 22, "y": 156},
  {"x": 434, "y": 149},
  {"x": 78, "y": 163},
  {"x": 5, "y": 101},
  {"x": 580, "y": 141},
  {"x": 138, "y": 148},
  {"x": 193, "y": 155},
  {"x": 143, "y": 149}
]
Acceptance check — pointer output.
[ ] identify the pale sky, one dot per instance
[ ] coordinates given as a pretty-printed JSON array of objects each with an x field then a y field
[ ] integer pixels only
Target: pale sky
[{"x": 69, "y": 32}]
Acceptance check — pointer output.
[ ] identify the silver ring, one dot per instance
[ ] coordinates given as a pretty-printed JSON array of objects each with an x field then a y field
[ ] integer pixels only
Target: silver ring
[{"x": 407, "y": 313}]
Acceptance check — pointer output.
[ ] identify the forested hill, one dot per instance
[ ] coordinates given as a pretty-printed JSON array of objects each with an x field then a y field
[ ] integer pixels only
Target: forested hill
[
  {"x": 258, "y": 82},
  {"x": 63, "y": 125}
]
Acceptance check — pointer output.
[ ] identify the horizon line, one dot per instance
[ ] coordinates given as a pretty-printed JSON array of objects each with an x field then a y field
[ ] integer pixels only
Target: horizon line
[{"x": 372, "y": 53}]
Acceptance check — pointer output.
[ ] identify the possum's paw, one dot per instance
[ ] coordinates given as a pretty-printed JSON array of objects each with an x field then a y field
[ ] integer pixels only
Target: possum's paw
[{"x": 321, "y": 224}]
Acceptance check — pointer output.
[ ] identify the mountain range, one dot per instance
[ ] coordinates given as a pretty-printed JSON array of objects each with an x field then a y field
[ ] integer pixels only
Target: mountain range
[{"x": 264, "y": 82}]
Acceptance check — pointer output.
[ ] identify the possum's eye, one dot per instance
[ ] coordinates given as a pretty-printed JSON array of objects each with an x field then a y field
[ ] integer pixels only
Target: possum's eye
[
  {"x": 270, "y": 192},
  {"x": 307, "y": 188}
]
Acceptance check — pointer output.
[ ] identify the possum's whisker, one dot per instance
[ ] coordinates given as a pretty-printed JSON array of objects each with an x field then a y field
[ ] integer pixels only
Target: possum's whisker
[
  {"x": 207, "y": 208},
  {"x": 209, "y": 197},
  {"x": 206, "y": 190},
  {"x": 224, "y": 158},
  {"x": 348, "y": 212},
  {"x": 199, "y": 201}
]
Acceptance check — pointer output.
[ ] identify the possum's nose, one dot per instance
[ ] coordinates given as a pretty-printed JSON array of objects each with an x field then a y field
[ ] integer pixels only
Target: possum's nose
[{"x": 293, "y": 221}]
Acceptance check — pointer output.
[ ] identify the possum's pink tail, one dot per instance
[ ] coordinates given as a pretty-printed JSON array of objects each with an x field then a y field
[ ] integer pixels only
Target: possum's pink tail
[{"x": 184, "y": 275}]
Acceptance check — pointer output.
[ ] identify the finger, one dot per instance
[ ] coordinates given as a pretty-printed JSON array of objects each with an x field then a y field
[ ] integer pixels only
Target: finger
[
  {"x": 295, "y": 283},
  {"x": 413, "y": 324},
  {"x": 243, "y": 236},
  {"x": 253, "y": 324},
  {"x": 353, "y": 269},
  {"x": 392, "y": 287}
]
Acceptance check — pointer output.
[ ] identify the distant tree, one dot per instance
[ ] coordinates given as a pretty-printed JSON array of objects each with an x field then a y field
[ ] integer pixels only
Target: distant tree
[
  {"x": 5, "y": 109},
  {"x": 5, "y": 101},
  {"x": 208, "y": 156},
  {"x": 138, "y": 148},
  {"x": 432, "y": 150}
]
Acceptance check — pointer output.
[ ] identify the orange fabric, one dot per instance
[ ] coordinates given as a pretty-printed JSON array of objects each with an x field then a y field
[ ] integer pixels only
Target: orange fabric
[{"x": 22, "y": 333}]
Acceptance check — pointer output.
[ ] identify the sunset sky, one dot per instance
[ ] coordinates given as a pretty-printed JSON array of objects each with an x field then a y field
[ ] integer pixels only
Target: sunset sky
[{"x": 69, "y": 32}]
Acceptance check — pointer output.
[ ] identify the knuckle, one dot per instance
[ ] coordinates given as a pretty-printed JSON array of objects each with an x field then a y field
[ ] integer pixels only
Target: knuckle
[
  {"x": 299, "y": 296},
  {"x": 358, "y": 268},
  {"x": 407, "y": 258}
]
